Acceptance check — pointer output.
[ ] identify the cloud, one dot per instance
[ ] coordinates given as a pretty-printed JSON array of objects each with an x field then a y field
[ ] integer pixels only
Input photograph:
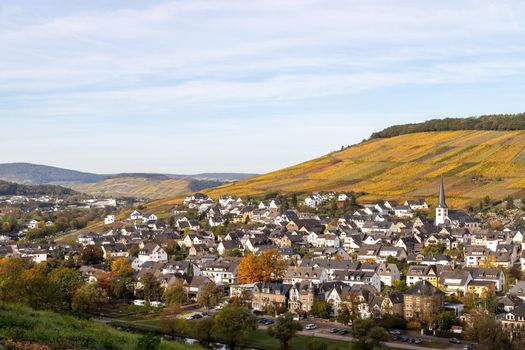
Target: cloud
[{"x": 222, "y": 62}]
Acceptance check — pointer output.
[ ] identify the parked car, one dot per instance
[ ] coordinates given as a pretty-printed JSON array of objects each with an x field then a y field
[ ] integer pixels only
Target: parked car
[
  {"x": 333, "y": 330},
  {"x": 455, "y": 341},
  {"x": 310, "y": 326},
  {"x": 418, "y": 341},
  {"x": 395, "y": 332},
  {"x": 343, "y": 332}
]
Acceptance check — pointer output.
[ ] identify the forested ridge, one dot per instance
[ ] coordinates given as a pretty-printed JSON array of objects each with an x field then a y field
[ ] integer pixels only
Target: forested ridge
[{"x": 497, "y": 122}]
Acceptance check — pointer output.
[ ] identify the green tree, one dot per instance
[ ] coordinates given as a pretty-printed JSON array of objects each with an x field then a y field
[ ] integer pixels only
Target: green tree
[
  {"x": 343, "y": 316},
  {"x": 66, "y": 280},
  {"x": 510, "y": 203},
  {"x": 321, "y": 309},
  {"x": 203, "y": 330},
  {"x": 446, "y": 320},
  {"x": 88, "y": 298},
  {"x": 285, "y": 329},
  {"x": 294, "y": 200},
  {"x": 151, "y": 289},
  {"x": 233, "y": 324}
]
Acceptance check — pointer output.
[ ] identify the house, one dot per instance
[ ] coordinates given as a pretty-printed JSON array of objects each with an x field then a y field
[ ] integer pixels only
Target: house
[
  {"x": 298, "y": 274},
  {"x": 110, "y": 219},
  {"x": 302, "y": 297},
  {"x": 416, "y": 274},
  {"x": 455, "y": 282},
  {"x": 388, "y": 273},
  {"x": 228, "y": 246},
  {"x": 265, "y": 294},
  {"x": 418, "y": 204},
  {"x": 423, "y": 302},
  {"x": 475, "y": 255},
  {"x": 494, "y": 275},
  {"x": 135, "y": 215},
  {"x": 152, "y": 252},
  {"x": 221, "y": 270},
  {"x": 359, "y": 277},
  {"x": 115, "y": 250}
]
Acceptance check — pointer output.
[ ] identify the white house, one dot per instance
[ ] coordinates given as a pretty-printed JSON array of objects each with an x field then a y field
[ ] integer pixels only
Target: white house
[
  {"x": 108, "y": 220},
  {"x": 152, "y": 252}
]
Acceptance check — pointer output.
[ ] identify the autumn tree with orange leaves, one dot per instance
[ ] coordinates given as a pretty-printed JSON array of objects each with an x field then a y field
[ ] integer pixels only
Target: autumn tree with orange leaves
[{"x": 265, "y": 267}]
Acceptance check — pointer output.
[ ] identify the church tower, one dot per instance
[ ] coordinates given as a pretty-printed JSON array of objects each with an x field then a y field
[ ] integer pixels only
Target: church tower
[{"x": 441, "y": 209}]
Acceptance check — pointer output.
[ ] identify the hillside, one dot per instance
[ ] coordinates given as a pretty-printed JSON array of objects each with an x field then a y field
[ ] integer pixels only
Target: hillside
[
  {"x": 22, "y": 327},
  {"x": 43, "y": 174},
  {"x": 152, "y": 187},
  {"x": 14, "y": 189},
  {"x": 474, "y": 163}
]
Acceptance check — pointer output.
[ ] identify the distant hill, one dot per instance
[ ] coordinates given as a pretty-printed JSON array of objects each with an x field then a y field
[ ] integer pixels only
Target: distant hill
[
  {"x": 28, "y": 173},
  {"x": 496, "y": 122},
  {"x": 474, "y": 163},
  {"x": 14, "y": 189},
  {"x": 146, "y": 185}
]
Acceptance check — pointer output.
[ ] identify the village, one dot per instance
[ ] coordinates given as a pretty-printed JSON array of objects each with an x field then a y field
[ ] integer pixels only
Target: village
[{"x": 322, "y": 257}]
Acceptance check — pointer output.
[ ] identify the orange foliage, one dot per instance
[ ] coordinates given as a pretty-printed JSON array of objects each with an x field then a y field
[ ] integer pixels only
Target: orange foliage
[{"x": 266, "y": 267}]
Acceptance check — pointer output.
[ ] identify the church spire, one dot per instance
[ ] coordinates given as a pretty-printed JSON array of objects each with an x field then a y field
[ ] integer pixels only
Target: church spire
[{"x": 442, "y": 203}]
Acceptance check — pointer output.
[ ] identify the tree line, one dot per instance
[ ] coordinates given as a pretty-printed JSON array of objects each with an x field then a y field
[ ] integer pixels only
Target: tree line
[{"x": 499, "y": 122}]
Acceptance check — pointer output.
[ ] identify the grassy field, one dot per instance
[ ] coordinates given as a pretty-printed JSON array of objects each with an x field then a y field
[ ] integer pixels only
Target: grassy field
[
  {"x": 57, "y": 331},
  {"x": 474, "y": 163}
]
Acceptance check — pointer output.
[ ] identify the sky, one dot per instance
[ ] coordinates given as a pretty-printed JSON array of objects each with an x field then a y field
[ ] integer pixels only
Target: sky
[{"x": 192, "y": 86}]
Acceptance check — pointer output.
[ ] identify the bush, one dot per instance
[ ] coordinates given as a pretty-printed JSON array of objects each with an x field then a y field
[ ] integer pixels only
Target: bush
[{"x": 414, "y": 325}]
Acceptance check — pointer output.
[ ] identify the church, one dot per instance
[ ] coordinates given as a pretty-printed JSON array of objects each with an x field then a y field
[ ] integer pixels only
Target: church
[{"x": 453, "y": 218}]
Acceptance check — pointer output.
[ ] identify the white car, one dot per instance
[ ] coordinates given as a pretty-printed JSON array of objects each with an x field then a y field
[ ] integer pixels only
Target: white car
[{"x": 310, "y": 326}]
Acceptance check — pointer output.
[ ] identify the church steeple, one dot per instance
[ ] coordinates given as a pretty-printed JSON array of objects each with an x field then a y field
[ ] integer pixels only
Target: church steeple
[
  {"x": 441, "y": 208},
  {"x": 442, "y": 203}
]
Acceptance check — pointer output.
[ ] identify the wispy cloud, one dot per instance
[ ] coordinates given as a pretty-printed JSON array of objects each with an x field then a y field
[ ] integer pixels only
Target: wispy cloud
[{"x": 171, "y": 61}]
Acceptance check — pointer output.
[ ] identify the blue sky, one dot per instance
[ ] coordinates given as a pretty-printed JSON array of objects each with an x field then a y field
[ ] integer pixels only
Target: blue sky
[{"x": 247, "y": 86}]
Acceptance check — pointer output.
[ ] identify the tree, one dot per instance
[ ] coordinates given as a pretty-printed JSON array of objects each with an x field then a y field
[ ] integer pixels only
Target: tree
[
  {"x": 368, "y": 336},
  {"x": 12, "y": 287},
  {"x": 148, "y": 342},
  {"x": 486, "y": 201},
  {"x": 488, "y": 332},
  {"x": 151, "y": 288},
  {"x": 88, "y": 298},
  {"x": 343, "y": 316},
  {"x": 66, "y": 280},
  {"x": 321, "y": 309},
  {"x": 248, "y": 271},
  {"x": 446, "y": 320},
  {"x": 92, "y": 255},
  {"x": 203, "y": 330},
  {"x": 122, "y": 266},
  {"x": 233, "y": 324},
  {"x": 294, "y": 200},
  {"x": 175, "y": 294},
  {"x": 510, "y": 203},
  {"x": 210, "y": 295},
  {"x": 272, "y": 265},
  {"x": 285, "y": 329},
  {"x": 268, "y": 266}
]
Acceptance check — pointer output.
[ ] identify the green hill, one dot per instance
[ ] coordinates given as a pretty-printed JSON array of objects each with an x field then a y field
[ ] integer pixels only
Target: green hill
[{"x": 47, "y": 330}]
